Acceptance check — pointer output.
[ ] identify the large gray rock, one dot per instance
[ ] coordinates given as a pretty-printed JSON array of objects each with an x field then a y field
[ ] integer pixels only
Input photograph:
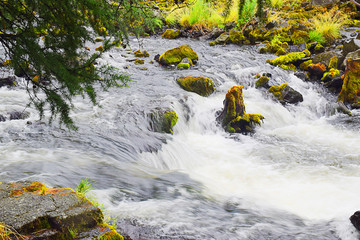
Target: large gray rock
[
  {"x": 325, "y": 57},
  {"x": 352, "y": 55},
  {"x": 350, "y": 45},
  {"x": 41, "y": 213}
]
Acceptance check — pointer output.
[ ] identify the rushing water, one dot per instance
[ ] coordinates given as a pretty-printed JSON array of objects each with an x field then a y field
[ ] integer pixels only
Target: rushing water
[{"x": 297, "y": 177}]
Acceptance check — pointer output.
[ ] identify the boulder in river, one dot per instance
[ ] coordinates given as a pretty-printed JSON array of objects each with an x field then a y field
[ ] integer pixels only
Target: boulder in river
[
  {"x": 171, "y": 34},
  {"x": 355, "y": 220},
  {"x": 41, "y": 213},
  {"x": 286, "y": 94},
  {"x": 175, "y": 55},
  {"x": 233, "y": 117},
  {"x": 289, "y": 60},
  {"x": 200, "y": 85},
  {"x": 163, "y": 120},
  {"x": 350, "y": 90},
  {"x": 8, "y": 81}
]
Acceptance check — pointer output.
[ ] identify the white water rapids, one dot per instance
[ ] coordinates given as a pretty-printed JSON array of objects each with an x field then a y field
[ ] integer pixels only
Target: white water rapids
[{"x": 297, "y": 177}]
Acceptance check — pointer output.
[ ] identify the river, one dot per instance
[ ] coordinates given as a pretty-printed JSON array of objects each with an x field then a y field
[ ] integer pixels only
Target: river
[{"x": 296, "y": 178}]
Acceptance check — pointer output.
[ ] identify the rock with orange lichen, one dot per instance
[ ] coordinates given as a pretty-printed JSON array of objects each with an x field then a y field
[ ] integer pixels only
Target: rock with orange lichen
[
  {"x": 233, "y": 117},
  {"x": 38, "y": 212},
  {"x": 350, "y": 90}
]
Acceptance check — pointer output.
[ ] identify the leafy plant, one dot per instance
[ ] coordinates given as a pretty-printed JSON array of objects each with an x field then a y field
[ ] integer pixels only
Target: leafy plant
[
  {"x": 315, "y": 36},
  {"x": 246, "y": 11},
  {"x": 329, "y": 24},
  {"x": 45, "y": 41},
  {"x": 84, "y": 187}
]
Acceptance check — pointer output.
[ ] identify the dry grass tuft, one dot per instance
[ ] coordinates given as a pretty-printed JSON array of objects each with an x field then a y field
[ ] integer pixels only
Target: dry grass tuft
[{"x": 8, "y": 233}]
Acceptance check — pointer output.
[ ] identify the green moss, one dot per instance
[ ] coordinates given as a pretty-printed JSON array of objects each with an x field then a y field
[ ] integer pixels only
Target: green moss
[
  {"x": 332, "y": 73},
  {"x": 333, "y": 62},
  {"x": 289, "y": 66},
  {"x": 277, "y": 90},
  {"x": 139, "y": 61},
  {"x": 236, "y": 36},
  {"x": 300, "y": 37},
  {"x": 307, "y": 53},
  {"x": 183, "y": 66},
  {"x": 138, "y": 53},
  {"x": 257, "y": 76},
  {"x": 319, "y": 47},
  {"x": 305, "y": 65},
  {"x": 171, "y": 34},
  {"x": 175, "y": 55},
  {"x": 170, "y": 120},
  {"x": 286, "y": 59},
  {"x": 261, "y": 81},
  {"x": 280, "y": 52},
  {"x": 200, "y": 85},
  {"x": 111, "y": 235},
  {"x": 212, "y": 44}
]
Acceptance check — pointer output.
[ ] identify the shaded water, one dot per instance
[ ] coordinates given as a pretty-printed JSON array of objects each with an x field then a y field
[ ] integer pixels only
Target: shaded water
[{"x": 296, "y": 178}]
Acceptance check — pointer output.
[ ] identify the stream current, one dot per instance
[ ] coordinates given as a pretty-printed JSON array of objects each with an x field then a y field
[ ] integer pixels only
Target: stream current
[{"x": 297, "y": 177}]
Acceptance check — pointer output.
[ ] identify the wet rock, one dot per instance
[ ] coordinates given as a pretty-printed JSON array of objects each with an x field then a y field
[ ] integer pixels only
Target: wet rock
[
  {"x": 355, "y": 220},
  {"x": 353, "y": 55},
  {"x": 171, "y": 34},
  {"x": 8, "y": 81},
  {"x": 2, "y": 118},
  {"x": 233, "y": 117},
  {"x": 325, "y": 57},
  {"x": 15, "y": 115},
  {"x": 271, "y": 24},
  {"x": 298, "y": 48},
  {"x": 47, "y": 213},
  {"x": 302, "y": 76},
  {"x": 197, "y": 34},
  {"x": 215, "y": 33},
  {"x": 286, "y": 94},
  {"x": 350, "y": 45},
  {"x": 334, "y": 84},
  {"x": 162, "y": 120},
  {"x": 351, "y": 86},
  {"x": 222, "y": 39},
  {"x": 263, "y": 81},
  {"x": 175, "y": 55},
  {"x": 200, "y": 85},
  {"x": 317, "y": 70}
]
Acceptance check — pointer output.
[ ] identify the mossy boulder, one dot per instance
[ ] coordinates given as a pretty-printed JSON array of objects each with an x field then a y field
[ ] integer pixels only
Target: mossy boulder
[
  {"x": 300, "y": 37},
  {"x": 262, "y": 82},
  {"x": 233, "y": 117},
  {"x": 350, "y": 90},
  {"x": 42, "y": 213},
  {"x": 141, "y": 54},
  {"x": 222, "y": 39},
  {"x": 317, "y": 70},
  {"x": 163, "y": 120},
  {"x": 171, "y": 34},
  {"x": 284, "y": 61},
  {"x": 200, "y": 85},
  {"x": 182, "y": 66},
  {"x": 175, "y": 55},
  {"x": 286, "y": 94},
  {"x": 236, "y": 36}
]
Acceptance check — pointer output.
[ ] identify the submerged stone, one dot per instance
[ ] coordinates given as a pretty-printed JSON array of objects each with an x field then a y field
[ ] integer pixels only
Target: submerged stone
[
  {"x": 200, "y": 85},
  {"x": 175, "y": 55},
  {"x": 222, "y": 39},
  {"x": 233, "y": 117},
  {"x": 262, "y": 82}
]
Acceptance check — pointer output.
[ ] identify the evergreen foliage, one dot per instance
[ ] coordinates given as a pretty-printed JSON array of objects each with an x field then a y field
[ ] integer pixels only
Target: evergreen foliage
[{"x": 45, "y": 41}]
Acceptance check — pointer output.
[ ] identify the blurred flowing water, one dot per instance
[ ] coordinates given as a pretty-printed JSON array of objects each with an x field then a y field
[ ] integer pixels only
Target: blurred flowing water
[{"x": 297, "y": 177}]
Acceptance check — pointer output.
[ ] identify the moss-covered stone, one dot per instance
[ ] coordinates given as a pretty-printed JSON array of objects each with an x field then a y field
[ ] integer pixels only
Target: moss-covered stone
[
  {"x": 280, "y": 52},
  {"x": 262, "y": 82},
  {"x": 99, "y": 49},
  {"x": 200, "y": 85},
  {"x": 171, "y": 34},
  {"x": 289, "y": 66},
  {"x": 331, "y": 74},
  {"x": 222, "y": 39},
  {"x": 287, "y": 59},
  {"x": 111, "y": 235},
  {"x": 139, "y": 61},
  {"x": 305, "y": 65},
  {"x": 319, "y": 47},
  {"x": 333, "y": 62},
  {"x": 300, "y": 37},
  {"x": 236, "y": 36},
  {"x": 285, "y": 94},
  {"x": 175, "y": 55},
  {"x": 317, "y": 70},
  {"x": 212, "y": 44},
  {"x": 163, "y": 121},
  {"x": 351, "y": 86},
  {"x": 182, "y": 66},
  {"x": 141, "y": 54},
  {"x": 234, "y": 119}
]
